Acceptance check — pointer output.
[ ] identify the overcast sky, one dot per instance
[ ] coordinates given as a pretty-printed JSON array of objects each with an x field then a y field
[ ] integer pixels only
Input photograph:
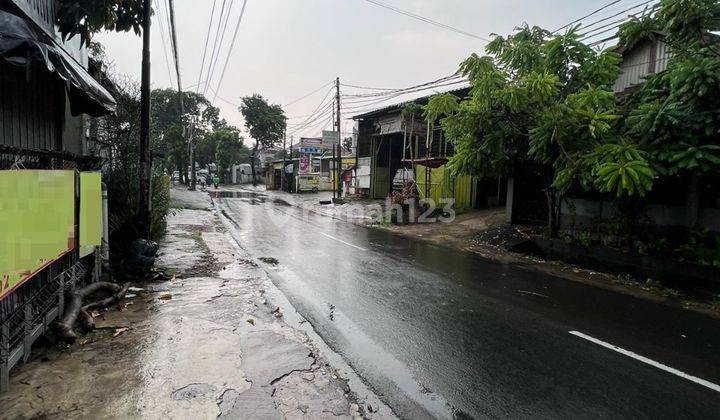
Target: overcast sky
[{"x": 288, "y": 48}]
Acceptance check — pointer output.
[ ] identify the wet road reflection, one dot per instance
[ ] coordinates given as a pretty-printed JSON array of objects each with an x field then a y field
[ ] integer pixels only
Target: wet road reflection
[{"x": 442, "y": 333}]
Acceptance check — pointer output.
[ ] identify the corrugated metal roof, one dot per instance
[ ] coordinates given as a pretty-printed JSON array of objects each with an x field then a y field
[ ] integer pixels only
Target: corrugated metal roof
[{"x": 422, "y": 100}]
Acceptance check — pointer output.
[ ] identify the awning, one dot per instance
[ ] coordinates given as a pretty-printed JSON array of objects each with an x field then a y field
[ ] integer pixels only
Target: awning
[{"x": 21, "y": 44}]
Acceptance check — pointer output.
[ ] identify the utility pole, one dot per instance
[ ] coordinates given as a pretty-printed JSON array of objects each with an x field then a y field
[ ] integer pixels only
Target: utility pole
[
  {"x": 292, "y": 161},
  {"x": 282, "y": 172},
  {"x": 338, "y": 164},
  {"x": 144, "y": 202},
  {"x": 186, "y": 130}
]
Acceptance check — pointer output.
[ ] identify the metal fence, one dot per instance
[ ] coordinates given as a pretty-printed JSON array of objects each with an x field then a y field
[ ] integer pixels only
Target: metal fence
[
  {"x": 27, "y": 312},
  {"x": 16, "y": 158}
]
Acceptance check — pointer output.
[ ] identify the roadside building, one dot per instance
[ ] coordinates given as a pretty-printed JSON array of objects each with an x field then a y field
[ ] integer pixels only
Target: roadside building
[
  {"x": 394, "y": 149},
  {"x": 242, "y": 174},
  {"x": 50, "y": 187}
]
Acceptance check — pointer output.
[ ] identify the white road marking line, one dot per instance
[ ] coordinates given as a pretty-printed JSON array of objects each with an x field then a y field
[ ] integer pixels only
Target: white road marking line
[
  {"x": 650, "y": 362},
  {"x": 341, "y": 241}
]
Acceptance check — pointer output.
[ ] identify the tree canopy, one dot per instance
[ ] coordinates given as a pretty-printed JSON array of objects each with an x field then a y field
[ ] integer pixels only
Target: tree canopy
[
  {"x": 674, "y": 115},
  {"x": 87, "y": 17},
  {"x": 170, "y": 129},
  {"x": 266, "y": 123},
  {"x": 539, "y": 97},
  {"x": 547, "y": 98}
]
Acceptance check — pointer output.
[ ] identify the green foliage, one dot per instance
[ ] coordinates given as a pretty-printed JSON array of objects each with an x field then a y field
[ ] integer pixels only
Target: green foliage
[
  {"x": 411, "y": 109},
  {"x": 160, "y": 205},
  {"x": 637, "y": 29},
  {"x": 546, "y": 98},
  {"x": 170, "y": 130},
  {"x": 703, "y": 247},
  {"x": 230, "y": 149},
  {"x": 440, "y": 105},
  {"x": 674, "y": 115},
  {"x": 266, "y": 122},
  {"x": 87, "y": 17},
  {"x": 621, "y": 168},
  {"x": 688, "y": 22}
]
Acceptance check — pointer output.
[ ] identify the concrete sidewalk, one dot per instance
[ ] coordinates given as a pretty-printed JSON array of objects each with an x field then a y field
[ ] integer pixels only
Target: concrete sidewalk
[{"x": 218, "y": 341}]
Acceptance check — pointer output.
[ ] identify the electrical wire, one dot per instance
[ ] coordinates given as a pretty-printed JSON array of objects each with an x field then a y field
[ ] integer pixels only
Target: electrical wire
[
  {"x": 612, "y": 3},
  {"x": 207, "y": 43},
  {"x": 308, "y": 95},
  {"x": 176, "y": 53},
  {"x": 605, "y": 19},
  {"x": 315, "y": 121},
  {"x": 427, "y": 20},
  {"x": 374, "y": 105},
  {"x": 320, "y": 106},
  {"x": 164, "y": 43},
  {"x": 216, "y": 60},
  {"x": 609, "y": 28},
  {"x": 217, "y": 44},
  {"x": 325, "y": 111},
  {"x": 232, "y": 46},
  {"x": 406, "y": 92},
  {"x": 407, "y": 89}
]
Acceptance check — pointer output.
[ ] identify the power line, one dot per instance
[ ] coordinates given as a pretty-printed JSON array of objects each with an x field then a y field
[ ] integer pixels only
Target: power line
[
  {"x": 610, "y": 27},
  {"x": 406, "y": 92},
  {"x": 605, "y": 19},
  {"x": 407, "y": 89},
  {"x": 326, "y": 110},
  {"x": 320, "y": 105},
  {"x": 614, "y": 2},
  {"x": 164, "y": 44},
  {"x": 227, "y": 101},
  {"x": 176, "y": 54},
  {"x": 427, "y": 20},
  {"x": 222, "y": 38},
  {"x": 313, "y": 121},
  {"x": 232, "y": 46},
  {"x": 308, "y": 95},
  {"x": 216, "y": 44},
  {"x": 372, "y": 106},
  {"x": 207, "y": 42}
]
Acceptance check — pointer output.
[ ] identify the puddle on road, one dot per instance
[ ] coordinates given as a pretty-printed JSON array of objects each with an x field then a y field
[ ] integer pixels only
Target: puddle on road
[
  {"x": 250, "y": 197},
  {"x": 235, "y": 194}
]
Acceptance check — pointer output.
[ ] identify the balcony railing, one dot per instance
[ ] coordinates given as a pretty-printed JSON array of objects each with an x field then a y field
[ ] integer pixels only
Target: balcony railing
[{"x": 42, "y": 12}]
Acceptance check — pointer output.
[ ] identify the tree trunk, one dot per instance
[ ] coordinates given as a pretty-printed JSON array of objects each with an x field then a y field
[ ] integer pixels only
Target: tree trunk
[
  {"x": 181, "y": 178},
  {"x": 75, "y": 306},
  {"x": 553, "y": 203},
  {"x": 252, "y": 164}
]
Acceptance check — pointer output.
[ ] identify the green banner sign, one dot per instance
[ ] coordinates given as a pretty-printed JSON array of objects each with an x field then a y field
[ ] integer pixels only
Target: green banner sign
[{"x": 37, "y": 218}]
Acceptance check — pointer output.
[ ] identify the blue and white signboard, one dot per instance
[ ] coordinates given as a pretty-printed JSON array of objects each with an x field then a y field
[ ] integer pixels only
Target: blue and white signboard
[{"x": 311, "y": 150}]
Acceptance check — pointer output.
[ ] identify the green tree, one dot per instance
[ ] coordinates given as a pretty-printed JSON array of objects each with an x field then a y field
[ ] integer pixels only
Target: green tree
[
  {"x": 87, "y": 17},
  {"x": 674, "y": 115},
  {"x": 230, "y": 150},
  {"x": 266, "y": 123},
  {"x": 546, "y": 99},
  {"x": 170, "y": 130}
]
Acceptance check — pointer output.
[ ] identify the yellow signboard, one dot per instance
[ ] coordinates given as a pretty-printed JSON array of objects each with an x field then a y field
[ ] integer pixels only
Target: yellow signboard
[
  {"x": 90, "y": 212},
  {"x": 37, "y": 217}
]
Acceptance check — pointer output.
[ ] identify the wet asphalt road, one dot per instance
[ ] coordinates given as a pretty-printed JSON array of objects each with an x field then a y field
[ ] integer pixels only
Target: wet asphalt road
[{"x": 441, "y": 333}]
